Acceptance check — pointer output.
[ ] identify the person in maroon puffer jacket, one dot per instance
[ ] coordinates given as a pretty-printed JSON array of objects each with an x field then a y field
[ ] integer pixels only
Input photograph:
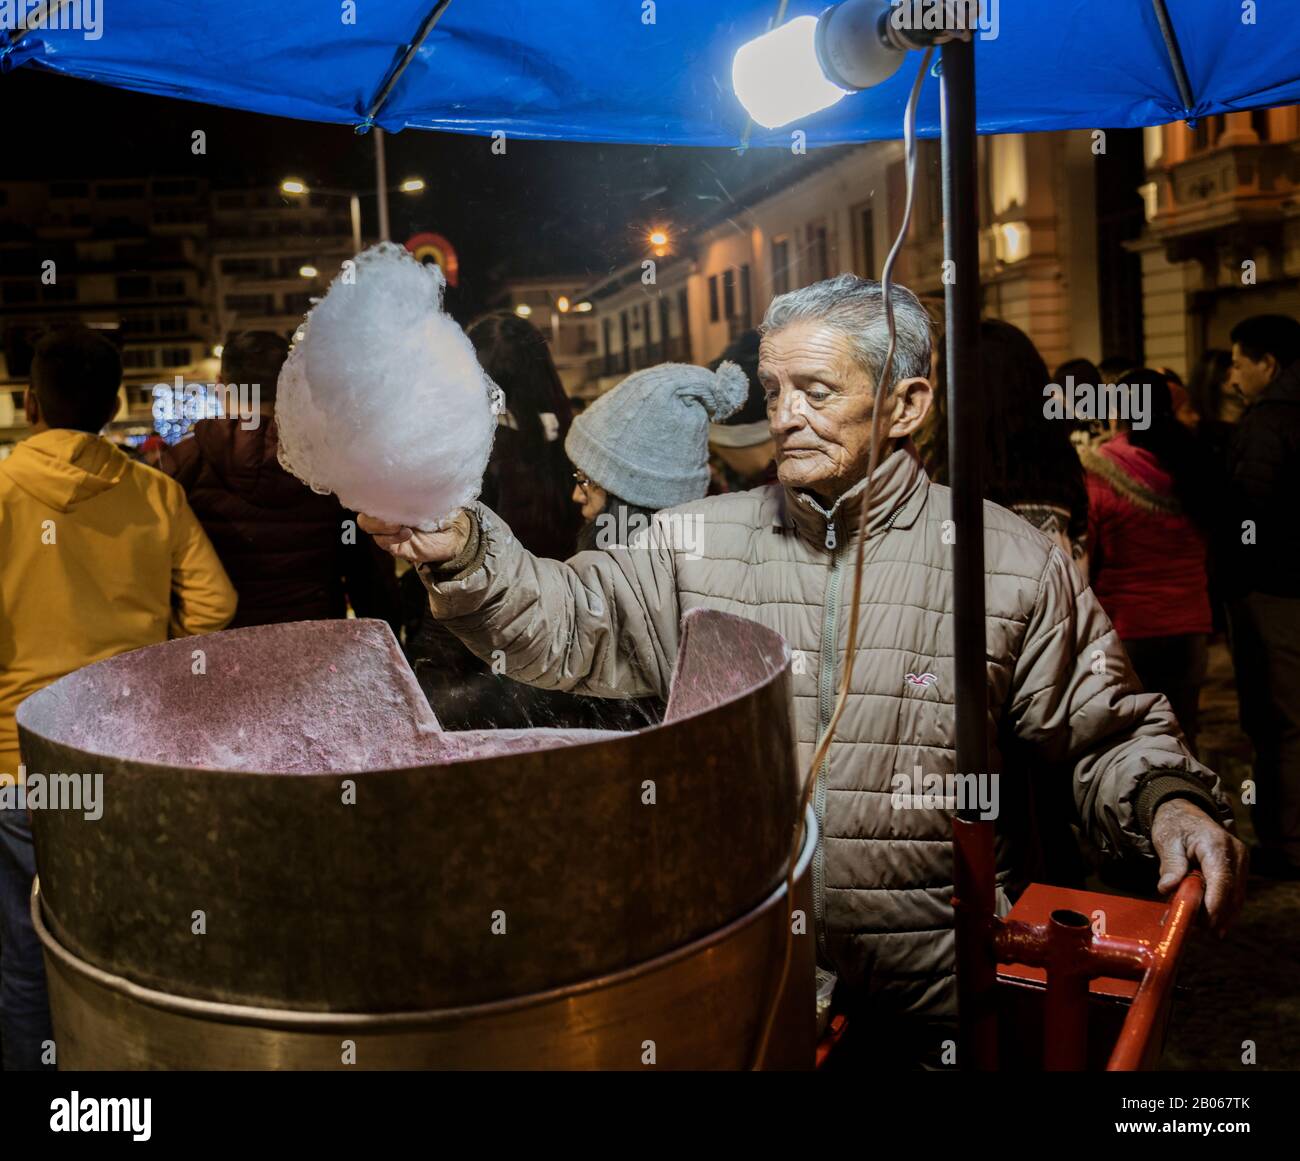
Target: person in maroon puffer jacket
[
  {"x": 1148, "y": 502},
  {"x": 291, "y": 553}
]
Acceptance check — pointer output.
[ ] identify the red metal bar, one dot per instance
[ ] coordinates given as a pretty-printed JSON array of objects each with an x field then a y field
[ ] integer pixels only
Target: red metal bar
[
  {"x": 1157, "y": 984},
  {"x": 1065, "y": 1007},
  {"x": 1108, "y": 955},
  {"x": 832, "y": 1036}
]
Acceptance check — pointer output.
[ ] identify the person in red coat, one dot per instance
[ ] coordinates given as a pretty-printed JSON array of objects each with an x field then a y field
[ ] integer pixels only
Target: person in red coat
[
  {"x": 291, "y": 553},
  {"x": 1148, "y": 500}
]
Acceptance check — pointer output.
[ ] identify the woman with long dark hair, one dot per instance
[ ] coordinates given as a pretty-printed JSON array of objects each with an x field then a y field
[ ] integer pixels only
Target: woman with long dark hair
[
  {"x": 527, "y": 480},
  {"x": 1149, "y": 498},
  {"x": 1030, "y": 465}
]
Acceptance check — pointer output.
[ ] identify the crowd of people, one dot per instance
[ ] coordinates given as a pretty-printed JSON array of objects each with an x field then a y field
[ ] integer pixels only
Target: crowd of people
[{"x": 1166, "y": 528}]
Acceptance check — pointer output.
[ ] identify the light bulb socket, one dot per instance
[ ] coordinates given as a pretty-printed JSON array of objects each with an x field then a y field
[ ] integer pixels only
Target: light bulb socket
[{"x": 860, "y": 45}]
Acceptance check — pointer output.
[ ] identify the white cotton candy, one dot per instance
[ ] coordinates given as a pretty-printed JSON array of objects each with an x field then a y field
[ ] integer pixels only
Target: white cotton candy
[{"x": 382, "y": 400}]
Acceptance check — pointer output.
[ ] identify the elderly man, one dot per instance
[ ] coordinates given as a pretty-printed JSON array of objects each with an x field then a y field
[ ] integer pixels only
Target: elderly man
[{"x": 1061, "y": 694}]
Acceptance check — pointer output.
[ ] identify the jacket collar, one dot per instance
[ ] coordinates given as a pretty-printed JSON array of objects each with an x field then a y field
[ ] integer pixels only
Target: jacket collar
[{"x": 897, "y": 499}]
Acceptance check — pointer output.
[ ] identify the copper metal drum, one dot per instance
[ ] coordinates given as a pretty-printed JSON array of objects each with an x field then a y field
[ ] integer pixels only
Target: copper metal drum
[
  {"x": 700, "y": 1007},
  {"x": 285, "y": 826}
]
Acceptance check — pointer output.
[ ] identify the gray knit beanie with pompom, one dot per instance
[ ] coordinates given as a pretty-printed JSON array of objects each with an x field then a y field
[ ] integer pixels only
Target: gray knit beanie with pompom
[{"x": 647, "y": 440}]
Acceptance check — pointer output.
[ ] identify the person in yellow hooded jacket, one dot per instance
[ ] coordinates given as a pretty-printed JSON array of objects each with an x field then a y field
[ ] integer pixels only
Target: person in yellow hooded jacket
[{"x": 98, "y": 555}]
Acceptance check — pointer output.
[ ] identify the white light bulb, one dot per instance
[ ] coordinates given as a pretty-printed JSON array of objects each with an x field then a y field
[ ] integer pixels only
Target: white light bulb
[{"x": 778, "y": 77}]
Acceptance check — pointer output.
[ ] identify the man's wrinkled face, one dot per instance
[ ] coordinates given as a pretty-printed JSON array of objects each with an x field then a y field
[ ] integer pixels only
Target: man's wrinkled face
[
  {"x": 819, "y": 405},
  {"x": 1249, "y": 377}
]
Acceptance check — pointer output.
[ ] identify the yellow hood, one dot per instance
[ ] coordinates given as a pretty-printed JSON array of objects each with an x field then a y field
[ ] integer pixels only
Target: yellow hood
[{"x": 63, "y": 468}]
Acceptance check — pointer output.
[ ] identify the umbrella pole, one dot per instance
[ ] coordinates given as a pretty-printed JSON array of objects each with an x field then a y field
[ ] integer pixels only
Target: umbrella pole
[{"x": 973, "y": 866}]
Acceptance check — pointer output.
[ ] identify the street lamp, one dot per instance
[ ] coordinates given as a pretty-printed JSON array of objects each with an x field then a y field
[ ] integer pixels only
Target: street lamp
[
  {"x": 308, "y": 271},
  {"x": 296, "y": 187}
]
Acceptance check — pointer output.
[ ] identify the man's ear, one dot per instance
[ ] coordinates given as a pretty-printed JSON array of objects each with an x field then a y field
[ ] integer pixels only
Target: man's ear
[
  {"x": 31, "y": 408},
  {"x": 912, "y": 401}
]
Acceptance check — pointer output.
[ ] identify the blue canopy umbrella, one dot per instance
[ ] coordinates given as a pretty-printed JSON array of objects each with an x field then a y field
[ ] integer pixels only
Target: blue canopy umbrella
[{"x": 649, "y": 72}]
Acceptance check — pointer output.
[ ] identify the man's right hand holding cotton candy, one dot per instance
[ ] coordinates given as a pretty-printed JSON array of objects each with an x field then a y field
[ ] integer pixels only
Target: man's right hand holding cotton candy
[{"x": 419, "y": 547}]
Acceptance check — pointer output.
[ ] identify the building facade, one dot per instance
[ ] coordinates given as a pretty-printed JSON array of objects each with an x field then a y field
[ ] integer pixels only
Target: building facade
[
  {"x": 1222, "y": 235},
  {"x": 164, "y": 266},
  {"x": 1098, "y": 244},
  {"x": 557, "y": 308}
]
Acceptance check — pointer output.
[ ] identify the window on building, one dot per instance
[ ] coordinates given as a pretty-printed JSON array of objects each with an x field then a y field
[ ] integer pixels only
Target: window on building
[
  {"x": 69, "y": 189},
  {"x": 65, "y": 290},
  {"x": 173, "y": 324},
  {"x": 780, "y": 266},
  {"x": 174, "y": 188},
  {"x": 729, "y": 292},
  {"x": 140, "y": 357},
  {"x": 683, "y": 352},
  {"x": 237, "y": 267},
  {"x": 1207, "y": 132},
  {"x": 713, "y": 298},
  {"x": 169, "y": 288},
  {"x": 126, "y": 192},
  {"x": 819, "y": 254},
  {"x": 175, "y": 356},
  {"x": 136, "y": 324},
  {"x": 133, "y": 286},
  {"x": 256, "y": 304},
  {"x": 746, "y": 298},
  {"x": 20, "y": 291},
  {"x": 297, "y": 303},
  {"x": 1259, "y": 122},
  {"x": 930, "y": 175},
  {"x": 867, "y": 241}
]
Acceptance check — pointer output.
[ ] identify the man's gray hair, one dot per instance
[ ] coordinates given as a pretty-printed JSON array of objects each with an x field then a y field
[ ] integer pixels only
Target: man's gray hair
[{"x": 856, "y": 308}]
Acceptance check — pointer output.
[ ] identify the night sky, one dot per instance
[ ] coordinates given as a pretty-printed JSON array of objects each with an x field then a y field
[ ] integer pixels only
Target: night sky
[{"x": 542, "y": 208}]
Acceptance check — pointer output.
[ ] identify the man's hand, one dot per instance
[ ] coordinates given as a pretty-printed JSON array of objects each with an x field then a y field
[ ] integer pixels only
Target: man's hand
[
  {"x": 419, "y": 547},
  {"x": 1185, "y": 837}
]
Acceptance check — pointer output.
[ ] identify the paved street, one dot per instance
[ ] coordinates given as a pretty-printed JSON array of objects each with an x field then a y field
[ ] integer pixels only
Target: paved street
[{"x": 1243, "y": 987}]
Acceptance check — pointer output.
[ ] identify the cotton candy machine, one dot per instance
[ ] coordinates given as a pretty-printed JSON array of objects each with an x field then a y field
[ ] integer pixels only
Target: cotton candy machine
[{"x": 296, "y": 867}]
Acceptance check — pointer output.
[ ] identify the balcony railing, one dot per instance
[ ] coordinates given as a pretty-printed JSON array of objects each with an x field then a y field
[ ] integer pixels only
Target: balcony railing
[{"x": 673, "y": 350}]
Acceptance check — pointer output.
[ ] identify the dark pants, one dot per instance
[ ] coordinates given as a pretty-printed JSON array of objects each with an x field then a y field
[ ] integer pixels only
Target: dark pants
[
  {"x": 1265, "y": 635},
  {"x": 1174, "y": 666},
  {"x": 24, "y": 1008}
]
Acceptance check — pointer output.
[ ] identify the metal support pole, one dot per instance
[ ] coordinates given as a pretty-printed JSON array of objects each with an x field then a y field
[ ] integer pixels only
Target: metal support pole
[
  {"x": 381, "y": 184},
  {"x": 973, "y": 894},
  {"x": 356, "y": 224}
]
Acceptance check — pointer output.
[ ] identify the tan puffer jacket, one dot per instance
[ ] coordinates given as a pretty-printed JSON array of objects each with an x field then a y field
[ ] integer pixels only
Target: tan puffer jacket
[{"x": 1062, "y": 698}]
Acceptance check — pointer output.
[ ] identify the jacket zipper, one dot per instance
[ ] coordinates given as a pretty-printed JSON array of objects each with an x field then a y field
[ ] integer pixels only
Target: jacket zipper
[{"x": 825, "y": 708}]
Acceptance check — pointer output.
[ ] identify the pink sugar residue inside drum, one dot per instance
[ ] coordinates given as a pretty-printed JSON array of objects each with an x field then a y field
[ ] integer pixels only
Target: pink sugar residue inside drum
[{"x": 303, "y": 698}]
